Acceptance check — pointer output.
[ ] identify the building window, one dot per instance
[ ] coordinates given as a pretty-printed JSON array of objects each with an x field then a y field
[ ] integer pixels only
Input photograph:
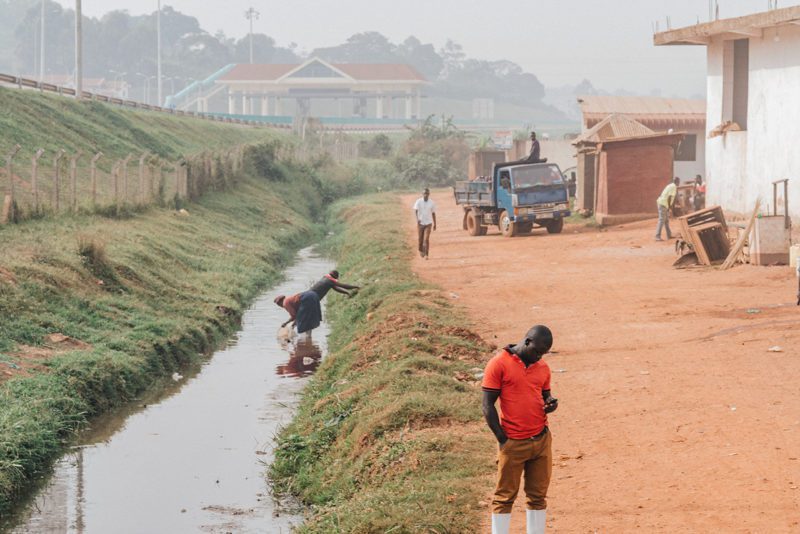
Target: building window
[
  {"x": 687, "y": 149},
  {"x": 736, "y": 80}
]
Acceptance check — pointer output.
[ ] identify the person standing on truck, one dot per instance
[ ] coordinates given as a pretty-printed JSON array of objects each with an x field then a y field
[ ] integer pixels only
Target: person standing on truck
[
  {"x": 664, "y": 203},
  {"x": 425, "y": 211},
  {"x": 521, "y": 380},
  {"x": 535, "y": 151}
]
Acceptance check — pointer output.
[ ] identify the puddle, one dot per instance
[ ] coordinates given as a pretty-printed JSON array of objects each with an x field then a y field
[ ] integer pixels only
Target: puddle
[{"x": 192, "y": 457}]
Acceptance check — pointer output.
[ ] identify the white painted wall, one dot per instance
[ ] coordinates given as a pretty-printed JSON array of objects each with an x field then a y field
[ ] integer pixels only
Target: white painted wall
[{"x": 741, "y": 166}]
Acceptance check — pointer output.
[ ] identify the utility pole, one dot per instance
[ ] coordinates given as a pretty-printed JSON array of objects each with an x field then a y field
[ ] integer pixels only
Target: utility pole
[
  {"x": 78, "y": 50},
  {"x": 251, "y": 14},
  {"x": 41, "y": 45},
  {"x": 158, "y": 59}
]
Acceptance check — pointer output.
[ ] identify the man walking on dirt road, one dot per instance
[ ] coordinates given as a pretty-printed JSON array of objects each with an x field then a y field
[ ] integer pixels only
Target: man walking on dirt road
[
  {"x": 521, "y": 380},
  {"x": 425, "y": 211},
  {"x": 665, "y": 202}
]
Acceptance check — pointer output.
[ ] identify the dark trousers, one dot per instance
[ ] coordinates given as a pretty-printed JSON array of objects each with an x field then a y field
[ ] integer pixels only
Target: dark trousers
[{"x": 424, "y": 238}]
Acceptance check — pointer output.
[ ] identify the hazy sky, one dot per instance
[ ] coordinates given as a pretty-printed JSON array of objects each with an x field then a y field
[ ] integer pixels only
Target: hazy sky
[{"x": 561, "y": 41}]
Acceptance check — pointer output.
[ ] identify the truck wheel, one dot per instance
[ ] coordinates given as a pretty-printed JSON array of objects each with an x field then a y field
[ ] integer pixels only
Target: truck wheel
[
  {"x": 507, "y": 227},
  {"x": 473, "y": 224},
  {"x": 555, "y": 226}
]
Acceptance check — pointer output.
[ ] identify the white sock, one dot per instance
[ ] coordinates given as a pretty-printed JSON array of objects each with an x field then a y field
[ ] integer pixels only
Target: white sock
[
  {"x": 536, "y": 521},
  {"x": 501, "y": 523}
]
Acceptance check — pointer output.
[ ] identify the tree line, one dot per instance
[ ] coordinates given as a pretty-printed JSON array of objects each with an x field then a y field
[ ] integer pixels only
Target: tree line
[{"x": 123, "y": 46}]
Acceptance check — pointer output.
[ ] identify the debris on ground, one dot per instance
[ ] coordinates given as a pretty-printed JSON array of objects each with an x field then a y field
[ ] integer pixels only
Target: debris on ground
[{"x": 775, "y": 349}]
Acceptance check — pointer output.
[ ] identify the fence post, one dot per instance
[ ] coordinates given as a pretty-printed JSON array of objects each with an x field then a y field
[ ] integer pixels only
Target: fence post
[
  {"x": 141, "y": 177},
  {"x": 115, "y": 177},
  {"x": 35, "y": 178},
  {"x": 93, "y": 177},
  {"x": 57, "y": 181},
  {"x": 73, "y": 179},
  {"x": 9, "y": 203},
  {"x": 125, "y": 176}
]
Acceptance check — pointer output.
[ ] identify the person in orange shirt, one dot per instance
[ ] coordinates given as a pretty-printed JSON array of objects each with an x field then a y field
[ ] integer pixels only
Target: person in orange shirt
[{"x": 521, "y": 380}]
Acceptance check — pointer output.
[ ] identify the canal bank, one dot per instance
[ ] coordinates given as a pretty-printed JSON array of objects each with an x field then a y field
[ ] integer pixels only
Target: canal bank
[
  {"x": 389, "y": 435},
  {"x": 95, "y": 311},
  {"x": 191, "y": 458}
]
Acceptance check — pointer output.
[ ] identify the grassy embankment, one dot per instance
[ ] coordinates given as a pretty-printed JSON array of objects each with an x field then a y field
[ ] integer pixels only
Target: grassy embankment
[
  {"x": 135, "y": 298},
  {"x": 387, "y": 436},
  {"x": 52, "y": 122}
]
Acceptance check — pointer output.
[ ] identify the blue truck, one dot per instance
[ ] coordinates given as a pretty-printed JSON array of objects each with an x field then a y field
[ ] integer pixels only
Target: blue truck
[{"x": 516, "y": 198}]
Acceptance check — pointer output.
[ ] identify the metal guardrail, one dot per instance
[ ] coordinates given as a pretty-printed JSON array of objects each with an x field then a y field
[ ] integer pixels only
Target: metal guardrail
[{"x": 68, "y": 91}]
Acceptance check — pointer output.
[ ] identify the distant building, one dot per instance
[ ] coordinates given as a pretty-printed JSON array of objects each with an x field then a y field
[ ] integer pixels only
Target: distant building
[
  {"x": 659, "y": 115},
  {"x": 753, "y": 107},
  {"x": 316, "y": 87}
]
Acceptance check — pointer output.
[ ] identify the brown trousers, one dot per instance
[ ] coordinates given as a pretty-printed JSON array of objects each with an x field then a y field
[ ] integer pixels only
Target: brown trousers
[
  {"x": 424, "y": 237},
  {"x": 518, "y": 457}
]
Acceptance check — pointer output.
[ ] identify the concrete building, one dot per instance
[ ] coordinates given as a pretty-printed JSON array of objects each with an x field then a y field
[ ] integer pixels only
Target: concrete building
[
  {"x": 753, "y": 111},
  {"x": 315, "y": 87},
  {"x": 659, "y": 115}
]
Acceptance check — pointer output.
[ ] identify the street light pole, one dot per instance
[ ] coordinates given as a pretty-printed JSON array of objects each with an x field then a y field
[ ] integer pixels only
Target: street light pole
[
  {"x": 251, "y": 14},
  {"x": 78, "y": 50},
  {"x": 158, "y": 59},
  {"x": 41, "y": 45}
]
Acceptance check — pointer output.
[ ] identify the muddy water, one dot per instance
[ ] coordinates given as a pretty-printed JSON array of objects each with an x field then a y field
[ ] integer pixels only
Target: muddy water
[{"x": 192, "y": 458}]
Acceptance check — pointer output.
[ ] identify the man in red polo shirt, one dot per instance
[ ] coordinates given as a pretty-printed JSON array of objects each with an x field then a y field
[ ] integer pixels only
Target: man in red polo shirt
[{"x": 521, "y": 380}]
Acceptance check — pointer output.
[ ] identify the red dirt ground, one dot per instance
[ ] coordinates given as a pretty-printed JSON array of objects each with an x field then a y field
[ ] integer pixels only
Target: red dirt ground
[{"x": 674, "y": 415}]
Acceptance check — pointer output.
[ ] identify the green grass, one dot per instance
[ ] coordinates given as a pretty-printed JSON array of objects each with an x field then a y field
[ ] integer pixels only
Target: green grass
[
  {"x": 386, "y": 438},
  {"x": 143, "y": 296},
  {"x": 34, "y": 120}
]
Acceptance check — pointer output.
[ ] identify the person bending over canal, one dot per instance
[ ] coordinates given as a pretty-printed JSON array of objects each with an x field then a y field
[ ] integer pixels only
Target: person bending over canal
[
  {"x": 521, "y": 380},
  {"x": 304, "y": 310},
  {"x": 331, "y": 281}
]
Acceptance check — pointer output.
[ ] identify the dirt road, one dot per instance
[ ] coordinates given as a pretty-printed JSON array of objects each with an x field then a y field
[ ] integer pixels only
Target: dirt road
[{"x": 674, "y": 416}]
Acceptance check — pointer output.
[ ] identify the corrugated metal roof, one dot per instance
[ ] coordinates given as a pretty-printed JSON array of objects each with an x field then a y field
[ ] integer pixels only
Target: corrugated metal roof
[
  {"x": 357, "y": 71},
  {"x": 615, "y": 126},
  {"x": 643, "y": 108}
]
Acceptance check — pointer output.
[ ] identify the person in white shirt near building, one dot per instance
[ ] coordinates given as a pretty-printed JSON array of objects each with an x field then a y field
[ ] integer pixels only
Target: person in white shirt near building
[{"x": 425, "y": 211}]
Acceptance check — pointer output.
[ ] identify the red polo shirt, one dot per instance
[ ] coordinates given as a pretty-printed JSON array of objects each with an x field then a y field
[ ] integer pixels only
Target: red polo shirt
[{"x": 521, "y": 403}]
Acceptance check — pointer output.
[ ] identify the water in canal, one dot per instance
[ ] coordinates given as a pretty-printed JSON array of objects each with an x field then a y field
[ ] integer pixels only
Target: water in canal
[{"x": 192, "y": 458}]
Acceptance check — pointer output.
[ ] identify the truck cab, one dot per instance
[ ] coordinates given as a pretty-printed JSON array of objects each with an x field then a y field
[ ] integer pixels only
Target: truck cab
[{"x": 518, "y": 197}]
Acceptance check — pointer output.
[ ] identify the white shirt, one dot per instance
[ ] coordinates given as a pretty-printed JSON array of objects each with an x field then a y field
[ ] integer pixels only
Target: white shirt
[{"x": 425, "y": 211}]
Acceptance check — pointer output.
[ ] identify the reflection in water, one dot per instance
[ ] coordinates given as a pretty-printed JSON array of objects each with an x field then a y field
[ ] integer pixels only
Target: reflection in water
[
  {"x": 304, "y": 357},
  {"x": 191, "y": 457}
]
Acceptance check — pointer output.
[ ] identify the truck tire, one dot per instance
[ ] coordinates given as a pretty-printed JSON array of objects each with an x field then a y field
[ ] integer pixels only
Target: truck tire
[
  {"x": 473, "y": 224},
  {"x": 555, "y": 226},
  {"x": 507, "y": 227}
]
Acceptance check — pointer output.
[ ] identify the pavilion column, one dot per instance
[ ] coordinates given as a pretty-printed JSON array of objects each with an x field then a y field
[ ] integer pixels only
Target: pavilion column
[
  {"x": 278, "y": 108},
  {"x": 231, "y": 103},
  {"x": 419, "y": 104},
  {"x": 379, "y": 107},
  {"x": 244, "y": 103},
  {"x": 265, "y": 105},
  {"x": 409, "y": 113}
]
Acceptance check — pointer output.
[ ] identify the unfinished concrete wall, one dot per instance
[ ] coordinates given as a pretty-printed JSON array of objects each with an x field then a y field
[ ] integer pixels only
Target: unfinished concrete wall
[
  {"x": 586, "y": 181},
  {"x": 481, "y": 163},
  {"x": 741, "y": 166},
  {"x": 632, "y": 176}
]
